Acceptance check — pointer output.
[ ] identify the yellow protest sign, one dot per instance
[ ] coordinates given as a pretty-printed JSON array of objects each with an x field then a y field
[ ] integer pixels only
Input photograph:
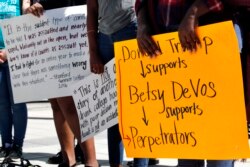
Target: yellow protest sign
[{"x": 182, "y": 104}]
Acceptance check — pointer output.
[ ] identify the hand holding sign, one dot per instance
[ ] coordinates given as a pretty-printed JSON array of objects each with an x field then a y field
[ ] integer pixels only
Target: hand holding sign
[
  {"x": 96, "y": 101},
  {"x": 47, "y": 54},
  {"x": 180, "y": 104}
]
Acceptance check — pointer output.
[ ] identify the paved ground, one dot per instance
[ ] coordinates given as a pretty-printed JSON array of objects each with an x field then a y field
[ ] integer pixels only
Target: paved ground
[{"x": 41, "y": 141}]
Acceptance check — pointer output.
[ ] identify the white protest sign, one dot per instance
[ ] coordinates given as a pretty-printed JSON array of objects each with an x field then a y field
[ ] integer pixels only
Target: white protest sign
[
  {"x": 47, "y": 54},
  {"x": 96, "y": 102}
]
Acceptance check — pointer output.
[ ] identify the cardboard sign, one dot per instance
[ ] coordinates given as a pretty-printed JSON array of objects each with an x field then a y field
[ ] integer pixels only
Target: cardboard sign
[
  {"x": 95, "y": 99},
  {"x": 182, "y": 104},
  {"x": 47, "y": 54}
]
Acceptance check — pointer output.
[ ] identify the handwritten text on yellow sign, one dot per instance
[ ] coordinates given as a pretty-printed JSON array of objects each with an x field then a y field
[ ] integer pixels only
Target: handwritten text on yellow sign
[{"x": 182, "y": 104}]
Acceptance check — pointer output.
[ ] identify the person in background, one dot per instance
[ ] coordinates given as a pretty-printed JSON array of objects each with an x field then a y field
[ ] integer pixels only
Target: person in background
[
  {"x": 11, "y": 115},
  {"x": 64, "y": 111},
  {"x": 109, "y": 21},
  {"x": 162, "y": 16}
]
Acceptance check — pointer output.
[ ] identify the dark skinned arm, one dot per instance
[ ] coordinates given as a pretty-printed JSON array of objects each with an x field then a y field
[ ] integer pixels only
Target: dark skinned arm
[
  {"x": 145, "y": 42},
  {"x": 187, "y": 30}
]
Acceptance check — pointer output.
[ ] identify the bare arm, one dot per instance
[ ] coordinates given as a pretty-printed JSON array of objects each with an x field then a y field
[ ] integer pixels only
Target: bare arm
[
  {"x": 187, "y": 30},
  {"x": 145, "y": 42},
  {"x": 96, "y": 64}
]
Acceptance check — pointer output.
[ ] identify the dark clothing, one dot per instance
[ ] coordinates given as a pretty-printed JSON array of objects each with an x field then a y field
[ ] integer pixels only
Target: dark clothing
[
  {"x": 245, "y": 3},
  {"x": 215, "y": 17},
  {"x": 218, "y": 5},
  {"x": 169, "y": 16},
  {"x": 53, "y": 4},
  {"x": 242, "y": 17},
  {"x": 165, "y": 16}
]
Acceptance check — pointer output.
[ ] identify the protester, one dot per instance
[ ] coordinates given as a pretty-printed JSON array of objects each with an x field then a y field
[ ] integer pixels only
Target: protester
[
  {"x": 161, "y": 16},
  {"x": 11, "y": 115},
  {"x": 109, "y": 21},
  {"x": 242, "y": 17},
  {"x": 64, "y": 111},
  {"x": 240, "y": 9}
]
